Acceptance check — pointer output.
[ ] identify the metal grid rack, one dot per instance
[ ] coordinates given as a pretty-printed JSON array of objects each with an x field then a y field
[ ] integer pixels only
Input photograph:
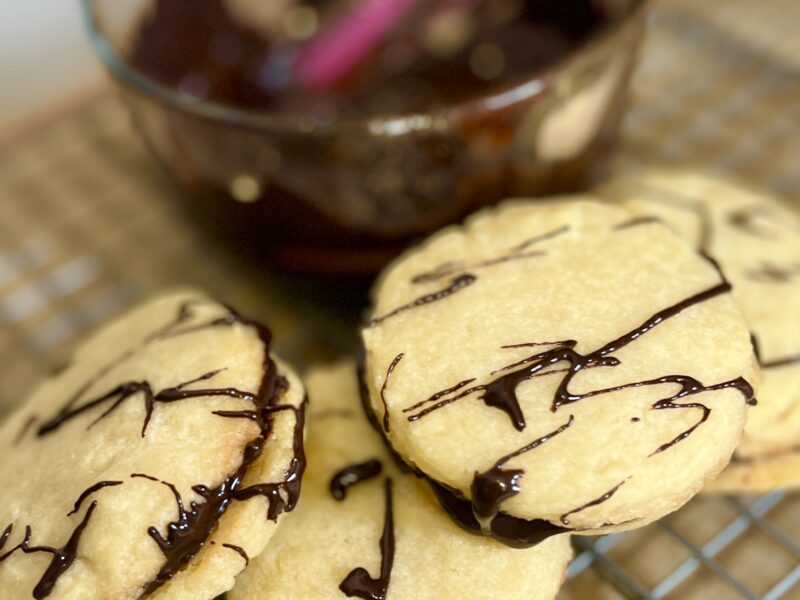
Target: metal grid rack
[
  {"x": 87, "y": 227},
  {"x": 597, "y": 554}
]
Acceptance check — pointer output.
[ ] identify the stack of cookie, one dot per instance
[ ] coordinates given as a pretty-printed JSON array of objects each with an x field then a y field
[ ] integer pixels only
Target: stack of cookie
[
  {"x": 756, "y": 241},
  {"x": 548, "y": 369}
]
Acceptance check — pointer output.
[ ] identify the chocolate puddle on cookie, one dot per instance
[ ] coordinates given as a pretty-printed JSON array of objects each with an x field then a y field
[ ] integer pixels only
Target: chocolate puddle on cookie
[
  {"x": 187, "y": 535},
  {"x": 358, "y": 582}
]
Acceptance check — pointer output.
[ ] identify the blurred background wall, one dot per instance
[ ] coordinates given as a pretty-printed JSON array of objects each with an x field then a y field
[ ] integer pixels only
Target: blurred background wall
[{"x": 44, "y": 55}]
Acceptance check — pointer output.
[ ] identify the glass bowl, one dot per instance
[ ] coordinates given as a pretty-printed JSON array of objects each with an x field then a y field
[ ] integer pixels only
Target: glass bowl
[{"x": 346, "y": 196}]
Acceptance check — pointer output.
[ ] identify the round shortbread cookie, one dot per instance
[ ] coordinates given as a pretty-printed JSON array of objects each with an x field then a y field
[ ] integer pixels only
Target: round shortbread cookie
[
  {"x": 756, "y": 241},
  {"x": 155, "y": 464},
  {"x": 759, "y": 475},
  {"x": 559, "y": 366},
  {"x": 318, "y": 546}
]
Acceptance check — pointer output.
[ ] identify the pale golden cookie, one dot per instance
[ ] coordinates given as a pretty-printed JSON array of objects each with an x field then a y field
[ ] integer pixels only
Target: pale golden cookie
[
  {"x": 756, "y": 241},
  {"x": 562, "y": 363},
  {"x": 760, "y": 475},
  {"x": 155, "y": 464},
  {"x": 324, "y": 540}
]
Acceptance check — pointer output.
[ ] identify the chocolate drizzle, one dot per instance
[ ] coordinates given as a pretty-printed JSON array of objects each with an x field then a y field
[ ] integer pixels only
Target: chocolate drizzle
[
  {"x": 450, "y": 268},
  {"x": 89, "y": 491},
  {"x": 775, "y": 363},
  {"x": 126, "y": 390},
  {"x": 745, "y": 220},
  {"x": 352, "y": 475},
  {"x": 389, "y": 372},
  {"x": 781, "y": 362},
  {"x": 511, "y": 531},
  {"x": 501, "y": 392},
  {"x": 458, "y": 284},
  {"x": 26, "y": 427},
  {"x": 603, "y": 498},
  {"x": 491, "y": 488},
  {"x": 637, "y": 222},
  {"x": 358, "y": 582},
  {"x": 240, "y": 551},
  {"x": 772, "y": 273},
  {"x": 186, "y": 535},
  {"x": 62, "y": 558}
]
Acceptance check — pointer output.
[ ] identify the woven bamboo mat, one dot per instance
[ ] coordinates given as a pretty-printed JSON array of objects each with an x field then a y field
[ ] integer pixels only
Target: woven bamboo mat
[{"x": 88, "y": 225}]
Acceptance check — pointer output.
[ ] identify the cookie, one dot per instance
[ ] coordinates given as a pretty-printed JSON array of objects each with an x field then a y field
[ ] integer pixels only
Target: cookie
[
  {"x": 559, "y": 366},
  {"x": 759, "y": 475},
  {"x": 156, "y": 464},
  {"x": 365, "y": 529},
  {"x": 756, "y": 241}
]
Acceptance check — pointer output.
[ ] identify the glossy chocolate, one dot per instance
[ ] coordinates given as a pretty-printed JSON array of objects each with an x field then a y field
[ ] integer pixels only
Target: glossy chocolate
[
  {"x": 511, "y": 531},
  {"x": 358, "y": 582},
  {"x": 491, "y": 488},
  {"x": 353, "y": 474}
]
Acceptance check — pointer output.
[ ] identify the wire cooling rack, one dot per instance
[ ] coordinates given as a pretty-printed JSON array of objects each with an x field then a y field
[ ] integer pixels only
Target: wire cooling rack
[
  {"x": 703, "y": 564},
  {"x": 87, "y": 227}
]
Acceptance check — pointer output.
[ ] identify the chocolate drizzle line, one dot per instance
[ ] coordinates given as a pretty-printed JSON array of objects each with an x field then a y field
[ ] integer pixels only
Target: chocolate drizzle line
[
  {"x": 62, "y": 558},
  {"x": 745, "y": 220},
  {"x": 507, "y": 529},
  {"x": 541, "y": 238},
  {"x": 501, "y": 392},
  {"x": 126, "y": 390},
  {"x": 389, "y": 372},
  {"x": 171, "y": 330},
  {"x": 493, "y": 487},
  {"x": 358, "y": 582},
  {"x": 775, "y": 363},
  {"x": 352, "y": 475},
  {"x": 240, "y": 551},
  {"x": 769, "y": 272},
  {"x": 458, "y": 284},
  {"x": 687, "y": 203},
  {"x": 516, "y": 253},
  {"x": 89, "y": 491},
  {"x": 605, "y": 497},
  {"x": 636, "y": 222},
  {"x": 26, "y": 427}
]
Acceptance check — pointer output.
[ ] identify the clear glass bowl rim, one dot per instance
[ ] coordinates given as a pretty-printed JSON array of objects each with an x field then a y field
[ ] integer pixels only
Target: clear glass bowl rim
[{"x": 261, "y": 120}]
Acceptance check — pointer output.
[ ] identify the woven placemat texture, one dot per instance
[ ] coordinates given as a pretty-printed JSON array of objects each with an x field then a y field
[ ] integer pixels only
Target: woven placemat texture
[{"x": 88, "y": 225}]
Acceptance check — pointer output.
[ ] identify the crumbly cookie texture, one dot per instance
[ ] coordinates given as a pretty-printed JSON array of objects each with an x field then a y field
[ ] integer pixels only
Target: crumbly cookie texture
[
  {"x": 559, "y": 366},
  {"x": 319, "y": 545},
  {"x": 756, "y": 241},
  {"x": 156, "y": 464}
]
